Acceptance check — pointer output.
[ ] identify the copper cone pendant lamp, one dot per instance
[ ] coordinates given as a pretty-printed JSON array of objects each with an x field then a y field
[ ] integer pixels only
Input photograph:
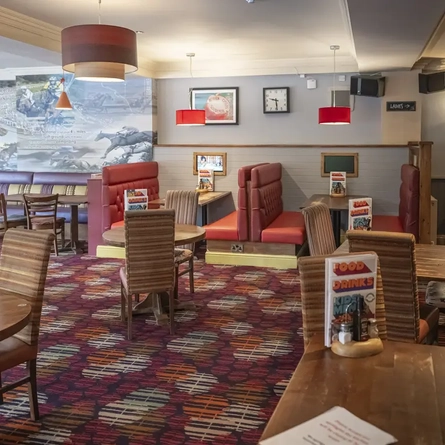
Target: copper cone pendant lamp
[
  {"x": 99, "y": 53},
  {"x": 190, "y": 117},
  {"x": 63, "y": 103},
  {"x": 334, "y": 115}
]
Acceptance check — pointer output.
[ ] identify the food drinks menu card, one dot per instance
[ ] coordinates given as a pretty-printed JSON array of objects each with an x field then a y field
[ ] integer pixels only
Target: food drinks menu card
[{"x": 334, "y": 427}]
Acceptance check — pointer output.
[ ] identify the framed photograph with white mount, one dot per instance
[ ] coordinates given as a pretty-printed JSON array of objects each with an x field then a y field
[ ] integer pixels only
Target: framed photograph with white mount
[
  {"x": 276, "y": 100},
  {"x": 220, "y": 104}
]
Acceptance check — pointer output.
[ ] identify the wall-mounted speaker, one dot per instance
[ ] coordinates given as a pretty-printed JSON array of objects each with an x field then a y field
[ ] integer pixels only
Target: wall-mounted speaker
[
  {"x": 367, "y": 86},
  {"x": 431, "y": 83}
]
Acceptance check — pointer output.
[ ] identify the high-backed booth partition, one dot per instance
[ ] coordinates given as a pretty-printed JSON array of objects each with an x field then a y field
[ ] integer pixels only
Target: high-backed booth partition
[
  {"x": 106, "y": 196},
  {"x": 259, "y": 232}
]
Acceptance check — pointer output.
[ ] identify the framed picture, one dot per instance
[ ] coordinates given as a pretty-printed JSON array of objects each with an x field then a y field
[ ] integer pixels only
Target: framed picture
[
  {"x": 215, "y": 161},
  {"x": 339, "y": 162},
  {"x": 220, "y": 104}
]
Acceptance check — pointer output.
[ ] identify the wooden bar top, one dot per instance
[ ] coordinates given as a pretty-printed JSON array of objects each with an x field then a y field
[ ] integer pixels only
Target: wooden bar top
[
  {"x": 341, "y": 203},
  {"x": 204, "y": 198},
  {"x": 401, "y": 391},
  {"x": 430, "y": 260}
]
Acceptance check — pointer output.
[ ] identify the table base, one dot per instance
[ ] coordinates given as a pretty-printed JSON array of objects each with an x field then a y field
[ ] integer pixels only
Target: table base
[{"x": 158, "y": 305}]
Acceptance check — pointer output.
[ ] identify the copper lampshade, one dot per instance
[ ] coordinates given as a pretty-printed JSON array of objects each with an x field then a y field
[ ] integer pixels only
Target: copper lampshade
[
  {"x": 101, "y": 53},
  {"x": 63, "y": 103},
  {"x": 190, "y": 117},
  {"x": 334, "y": 115}
]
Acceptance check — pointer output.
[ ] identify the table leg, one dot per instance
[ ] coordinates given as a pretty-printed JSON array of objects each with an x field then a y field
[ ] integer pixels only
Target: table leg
[{"x": 336, "y": 224}]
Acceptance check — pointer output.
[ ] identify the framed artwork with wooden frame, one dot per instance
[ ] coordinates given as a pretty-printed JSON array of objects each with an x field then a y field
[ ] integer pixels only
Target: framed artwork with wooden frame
[
  {"x": 339, "y": 162},
  {"x": 212, "y": 160}
]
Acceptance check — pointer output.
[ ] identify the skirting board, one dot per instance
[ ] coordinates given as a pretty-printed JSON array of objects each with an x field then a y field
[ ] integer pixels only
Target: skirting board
[
  {"x": 248, "y": 259},
  {"x": 110, "y": 252}
]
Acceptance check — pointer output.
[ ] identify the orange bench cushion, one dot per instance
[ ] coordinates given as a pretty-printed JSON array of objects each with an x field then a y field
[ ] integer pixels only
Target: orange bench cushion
[
  {"x": 224, "y": 229},
  {"x": 117, "y": 224},
  {"x": 287, "y": 228},
  {"x": 386, "y": 223}
]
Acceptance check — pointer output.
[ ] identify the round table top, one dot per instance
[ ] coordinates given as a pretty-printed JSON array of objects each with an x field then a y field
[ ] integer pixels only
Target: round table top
[
  {"x": 14, "y": 314},
  {"x": 184, "y": 234}
]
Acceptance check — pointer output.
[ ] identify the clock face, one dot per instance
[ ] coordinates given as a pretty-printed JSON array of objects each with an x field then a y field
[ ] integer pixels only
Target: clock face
[{"x": 276, "y": 100}]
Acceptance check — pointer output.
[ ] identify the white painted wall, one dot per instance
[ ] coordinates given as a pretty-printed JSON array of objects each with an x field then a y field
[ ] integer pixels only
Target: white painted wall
[
  {"x": 300, "y": 126},
  {"x": 433, "y": 129}
]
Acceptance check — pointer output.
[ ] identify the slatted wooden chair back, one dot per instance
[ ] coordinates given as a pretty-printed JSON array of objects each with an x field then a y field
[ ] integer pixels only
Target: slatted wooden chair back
[
  {"x": 185, "y": 205},
  {"x": 397, "y": 256},
  {"x": 149, "y": 252},
  {"x": 319, "y": 230},
  {"x": 312, "y": 280},
  {"x": 41, "y": 210},
  {"x": 23, "y": 267}
]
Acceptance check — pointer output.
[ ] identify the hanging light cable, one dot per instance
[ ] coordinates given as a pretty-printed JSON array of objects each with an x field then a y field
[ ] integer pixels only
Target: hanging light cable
[
  {"x": 190, "y": 117},
  {"x": 99, "y": 53},
  {"x": 334, "y": 115}
]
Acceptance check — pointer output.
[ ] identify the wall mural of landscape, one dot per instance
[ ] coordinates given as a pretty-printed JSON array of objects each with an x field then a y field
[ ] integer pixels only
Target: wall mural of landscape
[{"x": 111, "y": 123}]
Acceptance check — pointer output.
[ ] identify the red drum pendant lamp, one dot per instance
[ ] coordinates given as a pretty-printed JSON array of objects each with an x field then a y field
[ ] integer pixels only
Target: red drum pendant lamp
[
  {"x": 99, "y": 53},
  {"x": 190, "y": 117},
  {"x": 334, "y": 115}
]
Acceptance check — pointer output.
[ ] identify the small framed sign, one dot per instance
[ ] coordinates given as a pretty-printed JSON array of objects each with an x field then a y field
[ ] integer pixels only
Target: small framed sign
[{"x": 401, "y": 106}]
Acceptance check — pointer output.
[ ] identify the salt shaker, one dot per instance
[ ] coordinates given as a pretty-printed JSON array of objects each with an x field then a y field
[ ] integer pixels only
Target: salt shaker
[{"x": 373, "y": 330}]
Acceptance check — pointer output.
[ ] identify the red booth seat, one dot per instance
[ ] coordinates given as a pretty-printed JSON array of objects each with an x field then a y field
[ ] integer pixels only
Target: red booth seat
[
  {"x": 408, "y": 219},
  {"x": 269, "y": 223},
  {"x": 287, "y": 228},
  {"x": 235, "y": 226},
  {"x": 224, "y": 229},
  {"x": 386, "y": 223}
]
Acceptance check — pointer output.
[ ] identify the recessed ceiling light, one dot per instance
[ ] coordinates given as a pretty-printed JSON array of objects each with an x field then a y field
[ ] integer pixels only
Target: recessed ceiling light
[{"x": 139, "y": 32}]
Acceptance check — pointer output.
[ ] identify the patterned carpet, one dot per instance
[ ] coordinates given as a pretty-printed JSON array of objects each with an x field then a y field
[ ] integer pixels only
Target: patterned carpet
[{"x": 216, "y": 381}]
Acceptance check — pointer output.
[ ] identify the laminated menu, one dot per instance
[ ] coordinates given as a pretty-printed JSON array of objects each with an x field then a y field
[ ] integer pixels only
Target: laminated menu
[
  {"x": 337, "y": 184},
  {"x": 350, "y": 294},
  {"x": 206, "y": 179},
  {"x": 136, "y": 199},
  {"x": 360, "y": 214},
  {"x": 334, "y": 427}
]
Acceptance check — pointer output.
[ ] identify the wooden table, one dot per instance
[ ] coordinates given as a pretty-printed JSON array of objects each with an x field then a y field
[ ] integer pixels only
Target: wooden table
[
  {"x": 204, "y": 200},
  {"x": 14, "y": 314},
  {"x": 430, "y": 260},
  {"x": 401, "y": 391},
  {"x": 74, "y": 201},
  {"x": 184, "y": 234},
  {"x": 336, "y": 206}
]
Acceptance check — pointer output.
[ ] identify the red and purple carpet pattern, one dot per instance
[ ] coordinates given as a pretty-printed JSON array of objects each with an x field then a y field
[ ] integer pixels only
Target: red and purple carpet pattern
[{"x": 216, "y": 381}]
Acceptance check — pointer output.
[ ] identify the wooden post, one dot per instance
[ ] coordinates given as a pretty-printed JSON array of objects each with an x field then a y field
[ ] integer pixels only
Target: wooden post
[{"x": 424, "y": 165}]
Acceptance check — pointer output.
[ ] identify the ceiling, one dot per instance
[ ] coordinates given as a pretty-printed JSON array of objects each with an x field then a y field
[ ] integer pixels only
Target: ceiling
[{"x": 233, "y": 37}]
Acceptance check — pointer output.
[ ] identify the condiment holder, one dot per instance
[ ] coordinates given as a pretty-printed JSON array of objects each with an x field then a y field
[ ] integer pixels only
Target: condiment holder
[{"x": 357, "y": 349}]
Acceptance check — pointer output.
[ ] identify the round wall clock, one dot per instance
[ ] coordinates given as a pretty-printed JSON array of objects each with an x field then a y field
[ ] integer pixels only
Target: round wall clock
[{"x": 276, "y": 100}]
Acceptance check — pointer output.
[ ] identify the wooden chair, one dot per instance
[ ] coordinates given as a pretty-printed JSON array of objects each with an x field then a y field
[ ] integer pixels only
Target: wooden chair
[
  {"x": 149, "y": 260},
  {"x": 407, "y": 321},
  {"x": 319, "y": 230},
  {"x": 185, "y": 204},
  {"x": 23, "y": 267},
  {"x": 312, "y": 282},
  {"x": 8, "y": 222},
  {"x": 41, "y": 213}
]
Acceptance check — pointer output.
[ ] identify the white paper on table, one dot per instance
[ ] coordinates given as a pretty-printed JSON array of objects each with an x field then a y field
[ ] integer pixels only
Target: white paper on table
[{"x": 334, "y": 427}]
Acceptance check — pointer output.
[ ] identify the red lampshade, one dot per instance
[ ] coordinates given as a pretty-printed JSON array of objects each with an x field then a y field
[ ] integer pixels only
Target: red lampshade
[
  {"x": 334, "y": 115},
  {"x": 190, "y": 117},
  {"x": 101, "y": 53}
]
